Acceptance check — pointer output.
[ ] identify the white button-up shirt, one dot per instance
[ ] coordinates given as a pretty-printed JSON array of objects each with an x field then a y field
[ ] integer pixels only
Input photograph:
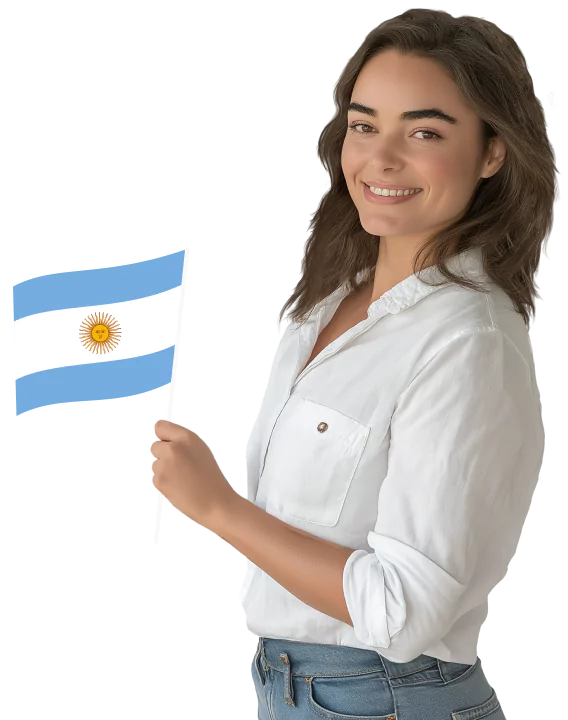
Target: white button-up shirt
[{"x": 416, "y": 438}]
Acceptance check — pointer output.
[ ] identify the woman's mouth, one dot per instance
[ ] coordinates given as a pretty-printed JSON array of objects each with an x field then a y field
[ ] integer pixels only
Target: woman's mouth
[{"x": 389, "y": 199}]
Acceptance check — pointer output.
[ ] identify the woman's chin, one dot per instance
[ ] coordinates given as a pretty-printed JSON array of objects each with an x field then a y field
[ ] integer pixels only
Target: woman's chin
[{"x": 372, "y": 226}]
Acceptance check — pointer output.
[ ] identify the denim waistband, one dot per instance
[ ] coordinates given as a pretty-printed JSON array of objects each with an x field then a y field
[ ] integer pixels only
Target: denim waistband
[{"x": 307, "y": 659}]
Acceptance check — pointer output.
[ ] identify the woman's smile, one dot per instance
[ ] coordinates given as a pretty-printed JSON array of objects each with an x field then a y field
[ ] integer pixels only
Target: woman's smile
[{"x": 388, "y": 199}]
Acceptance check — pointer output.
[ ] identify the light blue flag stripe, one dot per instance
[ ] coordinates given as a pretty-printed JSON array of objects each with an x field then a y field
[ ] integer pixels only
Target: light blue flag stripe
[
  {"x": 98, "y": 287},
  {"x": 95, "y": 381}
]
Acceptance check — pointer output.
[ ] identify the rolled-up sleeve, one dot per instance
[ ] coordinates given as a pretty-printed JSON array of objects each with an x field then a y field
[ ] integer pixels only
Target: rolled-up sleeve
[{"x": 466, "y": 447}]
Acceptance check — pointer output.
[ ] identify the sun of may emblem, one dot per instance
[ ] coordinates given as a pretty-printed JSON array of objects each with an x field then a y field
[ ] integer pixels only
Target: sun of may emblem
[{"x": 99, "y": 333}]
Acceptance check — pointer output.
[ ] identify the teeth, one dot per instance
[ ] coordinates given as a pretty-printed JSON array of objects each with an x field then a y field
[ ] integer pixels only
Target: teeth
[{"x": 393, "y": 193}]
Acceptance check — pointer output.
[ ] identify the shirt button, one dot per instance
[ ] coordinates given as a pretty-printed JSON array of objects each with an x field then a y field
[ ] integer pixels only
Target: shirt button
[{"x": 322, "y": 427}]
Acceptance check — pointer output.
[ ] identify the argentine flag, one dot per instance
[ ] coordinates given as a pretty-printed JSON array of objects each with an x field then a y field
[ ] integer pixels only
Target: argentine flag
[{"x": 97, "y": 334}]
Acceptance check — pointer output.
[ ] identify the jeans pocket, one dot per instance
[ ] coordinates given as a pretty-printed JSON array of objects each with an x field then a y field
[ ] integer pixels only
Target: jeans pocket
[
  {"x": 489, "y": 710},
  {"x": 451, "y": 672},
  {"x": 350, "y": 697}
]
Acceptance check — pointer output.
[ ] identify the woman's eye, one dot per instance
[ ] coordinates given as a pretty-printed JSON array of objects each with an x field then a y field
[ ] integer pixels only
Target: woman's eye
[
  {"x": 358, "y": 124},
  {"x": 428, "y": 132},
  {"x": 353, "y": 127}
]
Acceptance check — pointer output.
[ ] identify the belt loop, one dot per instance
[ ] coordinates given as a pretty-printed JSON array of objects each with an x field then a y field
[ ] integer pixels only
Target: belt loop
[
  {"x": 257, "y": 662},
  {"x": 288, "y": 685},
  {"x": 263, "y": 653}
]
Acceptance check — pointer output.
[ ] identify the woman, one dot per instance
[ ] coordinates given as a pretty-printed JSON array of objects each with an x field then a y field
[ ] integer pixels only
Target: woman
[{"x": 400, "y": 438}]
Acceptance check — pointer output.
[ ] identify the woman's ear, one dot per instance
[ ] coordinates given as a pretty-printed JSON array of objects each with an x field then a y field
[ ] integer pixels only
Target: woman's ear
[{"x": 495, "y": 157}]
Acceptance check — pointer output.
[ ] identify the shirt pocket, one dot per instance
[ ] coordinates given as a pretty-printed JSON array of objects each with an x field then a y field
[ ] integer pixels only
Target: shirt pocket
[{"x": 312, "y": 456}]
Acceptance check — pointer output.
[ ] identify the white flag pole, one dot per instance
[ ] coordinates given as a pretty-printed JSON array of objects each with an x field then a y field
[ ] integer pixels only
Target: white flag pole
[
  {"x": 159, "y": 513},
  {"x": 185, "y": 297}
]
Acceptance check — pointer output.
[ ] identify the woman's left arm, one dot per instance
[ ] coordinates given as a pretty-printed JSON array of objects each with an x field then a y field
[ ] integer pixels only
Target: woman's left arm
[{"x": 307, "y": 566}]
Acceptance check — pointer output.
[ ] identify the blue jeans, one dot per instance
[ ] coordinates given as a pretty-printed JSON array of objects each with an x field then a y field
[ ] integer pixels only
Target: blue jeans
[{"x": 307, "y": 681}]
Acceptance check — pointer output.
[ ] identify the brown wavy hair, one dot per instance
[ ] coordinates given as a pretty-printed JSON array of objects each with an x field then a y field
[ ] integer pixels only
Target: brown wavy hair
[{"x": 509, "y": 215}]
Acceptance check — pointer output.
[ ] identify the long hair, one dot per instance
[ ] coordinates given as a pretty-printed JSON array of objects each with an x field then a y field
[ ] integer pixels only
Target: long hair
[{"x": 509, "y": 214}]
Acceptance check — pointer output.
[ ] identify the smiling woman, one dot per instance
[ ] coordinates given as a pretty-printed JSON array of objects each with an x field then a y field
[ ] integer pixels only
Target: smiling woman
[
  {"x": 445, "y": 104},
  {"x": 446, "y": 166},
  {"x": 400, "y": 437}
]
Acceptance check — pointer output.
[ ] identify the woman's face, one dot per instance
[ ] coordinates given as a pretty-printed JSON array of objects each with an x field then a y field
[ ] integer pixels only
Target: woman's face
[{"x": 443, "y": 158}]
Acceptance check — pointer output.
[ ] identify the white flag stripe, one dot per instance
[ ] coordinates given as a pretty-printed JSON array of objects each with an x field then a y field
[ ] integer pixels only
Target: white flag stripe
[
  {"x": 52, "y": 339},
  {"x": 11, "y": 350}
]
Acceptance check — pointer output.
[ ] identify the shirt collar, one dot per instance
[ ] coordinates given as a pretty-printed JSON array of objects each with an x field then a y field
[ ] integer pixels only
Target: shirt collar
[{"x": 407, "y": 292}]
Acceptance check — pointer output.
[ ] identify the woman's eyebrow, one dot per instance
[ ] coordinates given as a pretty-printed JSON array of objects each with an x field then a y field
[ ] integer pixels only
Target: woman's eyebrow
[{"x": 408, "y": 114}]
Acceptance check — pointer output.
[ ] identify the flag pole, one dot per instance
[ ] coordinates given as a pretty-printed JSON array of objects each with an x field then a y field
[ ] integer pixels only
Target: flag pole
[
  {"x": 178, "y": 352},
  {"x": 170, "y": 413}
]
